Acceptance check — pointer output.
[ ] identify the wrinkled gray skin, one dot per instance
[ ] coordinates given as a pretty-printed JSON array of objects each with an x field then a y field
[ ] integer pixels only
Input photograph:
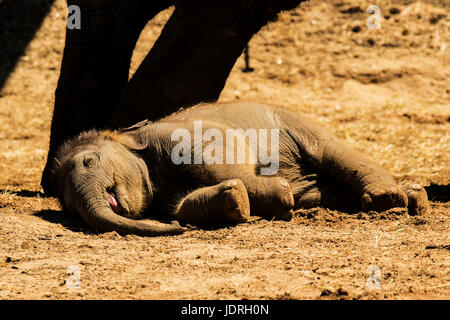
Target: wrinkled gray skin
[{"x": 112, "y": 179}]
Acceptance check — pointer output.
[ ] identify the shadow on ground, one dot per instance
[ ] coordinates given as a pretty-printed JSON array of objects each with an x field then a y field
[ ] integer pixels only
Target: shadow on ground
[
  {"x": 75, "y": 223},
  {"x": 25, "y": 193},
  {"x": 438, "y": 192},
  {"x": 67, "y": 220}
]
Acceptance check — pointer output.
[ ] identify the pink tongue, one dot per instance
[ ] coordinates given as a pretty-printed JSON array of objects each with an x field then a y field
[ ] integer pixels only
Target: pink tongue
[{"x": 113, "y": 203}]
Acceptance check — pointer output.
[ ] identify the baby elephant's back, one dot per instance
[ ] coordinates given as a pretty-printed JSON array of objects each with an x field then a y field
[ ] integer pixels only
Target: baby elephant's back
[{"x": 240, "y": 115}]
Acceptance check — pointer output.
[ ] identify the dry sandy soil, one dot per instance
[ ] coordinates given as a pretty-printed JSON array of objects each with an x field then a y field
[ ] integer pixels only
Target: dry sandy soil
[{"x": 385, "y": 91}]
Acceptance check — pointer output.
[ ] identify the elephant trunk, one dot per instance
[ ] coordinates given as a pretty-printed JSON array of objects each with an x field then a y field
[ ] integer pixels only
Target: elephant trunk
[{"x": 95, "y": 211}]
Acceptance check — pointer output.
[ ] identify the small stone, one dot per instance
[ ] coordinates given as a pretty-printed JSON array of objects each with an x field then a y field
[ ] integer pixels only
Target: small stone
[{"x": 394, "y": 10}]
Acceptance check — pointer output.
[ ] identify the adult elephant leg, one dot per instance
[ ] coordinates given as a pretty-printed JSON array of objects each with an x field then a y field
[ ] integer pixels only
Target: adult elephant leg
[
  {"x": 193, "y": 57},
  {"x": 95, "y": 66}
]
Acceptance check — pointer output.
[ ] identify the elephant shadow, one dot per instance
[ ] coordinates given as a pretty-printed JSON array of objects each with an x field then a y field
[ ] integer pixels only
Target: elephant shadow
[
  {"x": 68, "y": 220},
  {"x": 25, "y": 193},
  {"x": 62, "y": 217},
  {"x": 75, "y": 223},
  {"x": 438, "y": 192}
]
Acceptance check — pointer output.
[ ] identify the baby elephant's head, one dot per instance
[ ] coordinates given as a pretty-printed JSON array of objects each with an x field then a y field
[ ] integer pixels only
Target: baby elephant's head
[{"x": 99, "y": 175}]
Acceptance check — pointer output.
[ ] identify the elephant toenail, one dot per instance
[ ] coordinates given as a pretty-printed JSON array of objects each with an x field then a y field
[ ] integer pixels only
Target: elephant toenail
[
  {"x": 392, "y": 189},
  {"x": 378, "y": 192},
  {"x": 231, "y": 184}
]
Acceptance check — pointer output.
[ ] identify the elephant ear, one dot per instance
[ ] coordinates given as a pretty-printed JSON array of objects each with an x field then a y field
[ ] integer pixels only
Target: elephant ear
[
  {"x": 135, "y": 126},
  {"x": 134, "y": 137}
]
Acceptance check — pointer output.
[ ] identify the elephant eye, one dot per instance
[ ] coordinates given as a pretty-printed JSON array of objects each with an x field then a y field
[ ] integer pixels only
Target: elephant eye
[{"x": 91, "y": 160}]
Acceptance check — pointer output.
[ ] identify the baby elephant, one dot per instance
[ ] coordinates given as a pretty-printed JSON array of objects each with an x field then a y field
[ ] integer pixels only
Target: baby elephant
[{"x": 218, "y": 163}]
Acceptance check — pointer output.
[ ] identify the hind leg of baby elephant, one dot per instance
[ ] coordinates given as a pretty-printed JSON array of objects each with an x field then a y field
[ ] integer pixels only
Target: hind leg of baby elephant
[
  {"x": 339, "y": 162},
  {"x": 226, "y": 202},
  {"x": 383, "y": 196},
  {"x": 417, "y": 198},
  {"x": 330, "y": 195},
  {"x": 326, "y": 194},
  {"x": 412, "y": 196}
]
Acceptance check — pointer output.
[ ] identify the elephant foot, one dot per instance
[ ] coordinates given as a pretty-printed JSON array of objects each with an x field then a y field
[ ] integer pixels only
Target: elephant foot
[
  {"x": 280, "y": 202},
  {"x": 232, "y": 197},
  {"x": 417, "y": 198},
  {"x": 226, "y": 202},
  {"x": 384, "y": 198}
]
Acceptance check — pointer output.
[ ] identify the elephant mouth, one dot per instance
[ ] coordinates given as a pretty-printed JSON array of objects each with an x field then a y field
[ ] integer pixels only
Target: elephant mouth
[{"x": 114, "y": 202}]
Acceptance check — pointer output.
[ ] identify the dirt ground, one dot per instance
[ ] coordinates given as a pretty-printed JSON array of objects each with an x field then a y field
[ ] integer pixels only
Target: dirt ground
[{"x": 386, "y": 91}]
